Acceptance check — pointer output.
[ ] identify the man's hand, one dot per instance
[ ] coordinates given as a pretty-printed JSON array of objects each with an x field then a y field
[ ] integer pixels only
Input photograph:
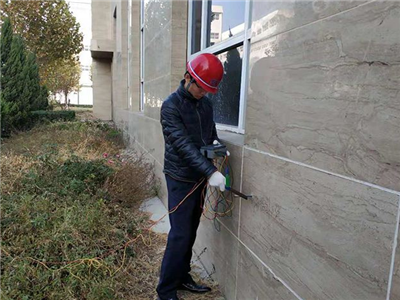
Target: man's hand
[
  {"x": 216, "y": 143},
  {"x": 217, "y": 180}
]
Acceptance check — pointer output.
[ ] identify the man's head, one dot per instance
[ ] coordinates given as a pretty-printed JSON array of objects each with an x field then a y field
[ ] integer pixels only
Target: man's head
[
  {"x": 203, "y": 75},
  {"x": 193, "y": 87}
]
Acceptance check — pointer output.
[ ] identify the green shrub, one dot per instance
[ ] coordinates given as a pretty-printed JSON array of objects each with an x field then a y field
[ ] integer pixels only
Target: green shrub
[
  {"x": 47, "y": 115},
  {"x": 80, "y": 175}
]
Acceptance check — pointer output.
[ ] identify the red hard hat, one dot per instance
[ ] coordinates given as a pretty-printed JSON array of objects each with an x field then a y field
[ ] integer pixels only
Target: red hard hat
[{"x": 207, "y": 70}]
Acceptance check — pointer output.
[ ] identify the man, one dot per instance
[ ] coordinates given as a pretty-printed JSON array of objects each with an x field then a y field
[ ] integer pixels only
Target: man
[{"x": 187, "y": 123}]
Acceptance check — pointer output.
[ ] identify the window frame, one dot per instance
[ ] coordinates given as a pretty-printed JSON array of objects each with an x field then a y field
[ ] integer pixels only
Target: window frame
[
  {"x": 129, "y": 54},
  {"x": 142, "y": 40},
  {"x": 243, "y": 38}
]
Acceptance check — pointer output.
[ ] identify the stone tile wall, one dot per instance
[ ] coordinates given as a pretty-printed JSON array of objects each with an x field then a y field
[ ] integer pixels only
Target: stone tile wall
[{"x": 320, "y": 153}]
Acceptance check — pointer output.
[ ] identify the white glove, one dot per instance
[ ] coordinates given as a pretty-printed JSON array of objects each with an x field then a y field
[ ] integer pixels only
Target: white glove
[
  {"x": 216, "y": 143},
  {"x": 217, "y": 180}
]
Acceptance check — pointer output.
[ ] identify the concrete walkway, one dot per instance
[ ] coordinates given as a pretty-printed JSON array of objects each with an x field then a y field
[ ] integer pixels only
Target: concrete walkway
[{"x": 156, "y": 209}]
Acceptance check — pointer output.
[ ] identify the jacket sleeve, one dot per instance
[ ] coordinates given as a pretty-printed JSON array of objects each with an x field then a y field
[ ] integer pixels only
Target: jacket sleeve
[{"x": 175, "y": 132}]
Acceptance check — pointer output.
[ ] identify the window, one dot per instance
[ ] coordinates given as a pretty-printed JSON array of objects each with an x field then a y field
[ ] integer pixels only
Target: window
[
  {"x": 85, "y": 68},
  {"x": 214, "y": 16},
  {"x": 142, "y": 10},
  {"x": 227, "y": 101},
  {"x": 129, "y": 53},
  {"x": 232, "y": 18},
  {"x": 214, "y": 35},
  {"x": 196, "y": 25},
  {"x": 223, "y": 28}
]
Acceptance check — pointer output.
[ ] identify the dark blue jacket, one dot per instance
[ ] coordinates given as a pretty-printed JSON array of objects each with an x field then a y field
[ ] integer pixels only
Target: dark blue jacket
[{"x": 187, "y": 125}]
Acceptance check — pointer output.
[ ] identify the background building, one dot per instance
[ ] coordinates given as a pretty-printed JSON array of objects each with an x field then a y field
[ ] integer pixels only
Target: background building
[
  {"x": 216, "y": 24},
  {"x": 81, "y": 10},
  {"x": 309, "y": 110}
]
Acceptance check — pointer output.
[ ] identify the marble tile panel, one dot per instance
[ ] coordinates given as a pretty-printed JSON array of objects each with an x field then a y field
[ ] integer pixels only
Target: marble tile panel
[
  {"x": 157, "y": 56},
  {"x": 218, "y": 251},
  {"x": 157, "y": 17},
  {"x": 274, "y": 17},
  {"x": 155, "y": 92},
  {"x": 231, "y": 219},
  {"x": 153, "y": 138},
  {"x": 136, "y": 123},
  {"x": 395, "y": 291},
  {"x": 327, "y": 94},
  {"x": 255, "y": 281},
  {"x": 327, "y": 237}
]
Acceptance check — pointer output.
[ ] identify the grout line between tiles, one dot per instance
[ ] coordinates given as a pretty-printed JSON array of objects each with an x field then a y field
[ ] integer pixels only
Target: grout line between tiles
[
  {"x": 237, "y": 273},
  {"x": 325, "y": 171},
  {"x": 241, "y": 189},
  {"x": 240, "y": 210},
  {"x": 396, "y": 235},
  {"x": 261, "y": 38},
  {"x": 263, "y": 263}
]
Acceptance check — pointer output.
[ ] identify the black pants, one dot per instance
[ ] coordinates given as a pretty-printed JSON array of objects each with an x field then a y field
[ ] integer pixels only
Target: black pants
[{"x": 184, "y": 221}]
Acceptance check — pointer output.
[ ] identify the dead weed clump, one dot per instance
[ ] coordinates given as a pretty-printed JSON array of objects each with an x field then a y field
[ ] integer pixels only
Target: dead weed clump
[
  {"x": 13, "y": 168},
  {"x": 132, "y": 182}
]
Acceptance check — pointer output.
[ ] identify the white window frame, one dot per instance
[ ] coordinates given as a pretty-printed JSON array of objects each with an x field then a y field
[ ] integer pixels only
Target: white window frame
[
  {"x": 141, "y": 104},
  {"x": 129, "y": 53},
  {"x": 242, "y": 38}
]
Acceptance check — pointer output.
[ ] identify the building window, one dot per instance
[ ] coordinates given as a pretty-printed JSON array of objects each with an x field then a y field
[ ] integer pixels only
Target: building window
[
  {"x": 226, "y": 18},
  {"x": 214, "y": 35},
  {"x": 142, "y": 47},
  {"x": 129, "y": 54},
  {"x": 214, "y": 17},
  {"x": 195, "y": 25},
  {"x": 85, "y": 68},
  {"x": 223, "y": 28},
  {"x": 86, "y": 47}
]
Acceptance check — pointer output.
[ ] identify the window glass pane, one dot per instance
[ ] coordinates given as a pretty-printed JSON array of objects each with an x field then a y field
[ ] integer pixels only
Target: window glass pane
[
  {"x": 196, "y": 26},
  {"x": 226, "y": 101},
  {"x": 225, "y": 19}
]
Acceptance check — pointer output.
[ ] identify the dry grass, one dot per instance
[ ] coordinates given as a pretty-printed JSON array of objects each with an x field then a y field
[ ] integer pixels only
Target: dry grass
[
  {"x": 13, "y": 168},
  {"x": 129, "y": 185},
  {"x": 41, "y": 222}
]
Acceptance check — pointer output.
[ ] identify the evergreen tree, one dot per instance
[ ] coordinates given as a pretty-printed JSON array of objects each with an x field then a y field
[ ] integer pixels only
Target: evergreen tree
[
  {"x": 32, "y": 81},
  {"x": 15, "y": 92},
  {"x": 5, "y": 120},
  {"x": 49, "y": 30},
  {"x": 44, "y": 98},
  {"x": 20, "y": 82},
  {"x": 5, "y": 41},
  {"x": 5, "y": 48}
]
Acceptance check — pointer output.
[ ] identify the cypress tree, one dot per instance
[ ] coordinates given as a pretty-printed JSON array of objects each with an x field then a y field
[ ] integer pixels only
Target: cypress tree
[
  {"x": 32, "y": 82},
  {"x": 5, "y": 118},
  {"x": 44, "y": 97},
  {"x": 20, "y": 82},
  {"x": 15, "y": 91},
  {"x": 5, "y": 48},
  {"x": 5, "y": 41}
]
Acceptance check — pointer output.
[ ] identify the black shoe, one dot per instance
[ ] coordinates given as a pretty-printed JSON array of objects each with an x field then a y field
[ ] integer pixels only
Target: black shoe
[{"x": 194, "y": 287}]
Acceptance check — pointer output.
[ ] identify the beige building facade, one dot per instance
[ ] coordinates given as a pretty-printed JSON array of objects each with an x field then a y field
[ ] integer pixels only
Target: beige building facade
[{"x": 309, "y": 109}]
